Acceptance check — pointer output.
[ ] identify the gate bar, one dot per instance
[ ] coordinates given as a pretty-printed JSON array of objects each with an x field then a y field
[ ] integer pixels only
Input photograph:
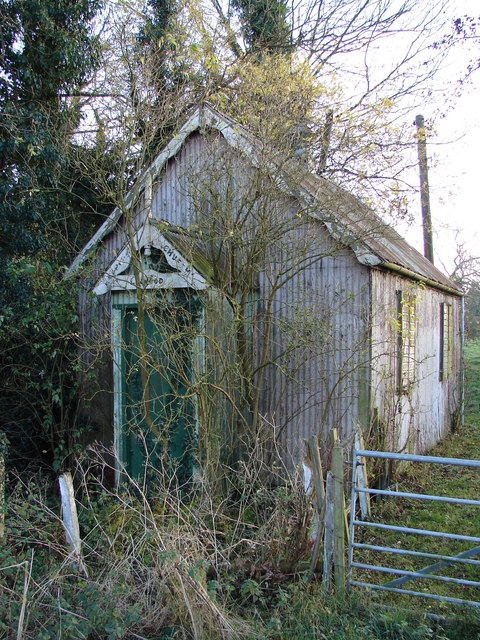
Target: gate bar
[
  {"x": 437, "y": 566},
  {"x": 431, "y": 596},
  {"x": 415, "y": 574},
  {"x": 419, "y": 496},
  {"x": 423, "y": 554},
  {"x": 410, "y": 457},
  {"x": 421, "y": 532}
]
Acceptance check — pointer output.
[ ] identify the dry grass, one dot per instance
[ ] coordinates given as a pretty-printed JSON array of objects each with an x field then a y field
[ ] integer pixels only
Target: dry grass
[{"x": 162, "y": 561}]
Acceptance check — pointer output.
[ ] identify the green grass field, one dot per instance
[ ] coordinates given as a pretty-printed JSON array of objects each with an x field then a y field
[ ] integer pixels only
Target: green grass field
[
  {"x": 472, "y": 377},
  {"x": 458, "y": 519},
  {"x": 445, "y": 480}
]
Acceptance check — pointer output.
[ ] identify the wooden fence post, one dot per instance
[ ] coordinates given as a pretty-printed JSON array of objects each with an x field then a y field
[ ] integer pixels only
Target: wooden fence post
[
  {"x": 339, "y": 520},
  {"x": 317, "y": 477},
  {"x": 329, "y": 533},
  {"x": 317, "y": 473},
  {"x": 70, "y": 520},
  {"x": 361, "y": 479}
]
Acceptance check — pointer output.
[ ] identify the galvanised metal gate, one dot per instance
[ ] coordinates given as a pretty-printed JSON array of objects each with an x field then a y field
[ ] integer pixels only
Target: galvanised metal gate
[{"x": 440, "y": 561}]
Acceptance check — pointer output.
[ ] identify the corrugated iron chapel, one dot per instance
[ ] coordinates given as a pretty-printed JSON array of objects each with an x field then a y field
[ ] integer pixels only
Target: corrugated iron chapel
[{"x": 238, "y": 297}]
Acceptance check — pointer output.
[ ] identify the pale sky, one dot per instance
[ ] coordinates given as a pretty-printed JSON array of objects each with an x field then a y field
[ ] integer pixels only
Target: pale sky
[
  {"x": 453, "y": 151},
  {"x": 454, "y": 178},
  {"x": 452, "y": 118}
]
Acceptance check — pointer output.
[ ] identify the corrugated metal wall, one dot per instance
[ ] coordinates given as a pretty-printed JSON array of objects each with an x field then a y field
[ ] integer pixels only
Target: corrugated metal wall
[
  {"x": 315, "y": 372},
  {"x": 415, "y": 419},
  {"x": 318, "y": 378},
  {"x": 171, "y": 192}
]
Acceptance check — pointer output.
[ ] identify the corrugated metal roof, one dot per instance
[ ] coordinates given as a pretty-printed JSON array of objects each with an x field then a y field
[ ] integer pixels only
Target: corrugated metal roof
[
  {"x": 368, "y": 229},
  {"x": 349, "y": 221}
]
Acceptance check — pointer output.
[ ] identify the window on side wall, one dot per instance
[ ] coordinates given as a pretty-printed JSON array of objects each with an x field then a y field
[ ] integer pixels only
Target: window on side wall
[
  {"x": 445, "y": 340},
  {"x": 407, "y": 323}
]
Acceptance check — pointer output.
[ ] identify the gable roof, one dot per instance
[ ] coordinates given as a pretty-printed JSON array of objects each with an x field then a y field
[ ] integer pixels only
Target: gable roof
[{"x": 347, "y": 219}]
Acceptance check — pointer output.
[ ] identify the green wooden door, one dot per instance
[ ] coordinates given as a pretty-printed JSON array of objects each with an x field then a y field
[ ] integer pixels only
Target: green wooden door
[{"x": 159, "y": 417}]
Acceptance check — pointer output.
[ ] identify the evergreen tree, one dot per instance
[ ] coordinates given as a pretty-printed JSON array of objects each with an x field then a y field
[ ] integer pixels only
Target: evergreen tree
[
  {"x": 47, "y": 53},
  {"x": 264, "y": 25},
  {"x": 166, "y": 79},
  {"x": 153, "y": 41}
]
